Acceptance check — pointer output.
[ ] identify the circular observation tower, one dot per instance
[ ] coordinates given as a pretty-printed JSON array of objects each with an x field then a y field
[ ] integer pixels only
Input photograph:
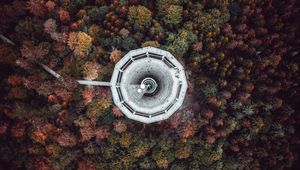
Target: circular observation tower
[{"x": 148, "y": 84}]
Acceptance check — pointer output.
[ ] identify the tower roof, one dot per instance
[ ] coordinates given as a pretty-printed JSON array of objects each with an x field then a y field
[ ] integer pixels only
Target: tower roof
[{"x": 148, "y": 84}]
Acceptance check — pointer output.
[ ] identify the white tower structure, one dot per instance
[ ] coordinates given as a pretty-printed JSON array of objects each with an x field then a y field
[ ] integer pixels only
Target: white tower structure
[{"x": 148, "y": 84}]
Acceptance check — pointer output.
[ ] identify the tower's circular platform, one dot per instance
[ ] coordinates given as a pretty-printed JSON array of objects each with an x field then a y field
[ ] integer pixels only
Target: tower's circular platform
[{"x": 148, "y": 84}]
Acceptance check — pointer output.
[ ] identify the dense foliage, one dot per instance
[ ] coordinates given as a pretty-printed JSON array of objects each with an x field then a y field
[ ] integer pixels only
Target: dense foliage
[{"x": 241, "y": 110}]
